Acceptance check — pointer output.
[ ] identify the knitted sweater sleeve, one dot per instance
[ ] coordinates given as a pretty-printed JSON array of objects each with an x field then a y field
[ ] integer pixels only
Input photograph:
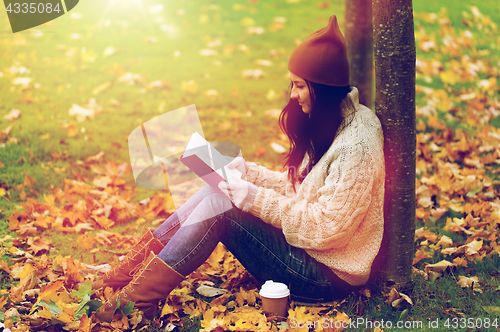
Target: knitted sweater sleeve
[
  {"x": 330, "y": 218},
  {"x": 263, "y": 177}
]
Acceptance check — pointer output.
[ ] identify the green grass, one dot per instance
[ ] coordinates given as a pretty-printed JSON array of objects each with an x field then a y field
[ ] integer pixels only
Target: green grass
[
  {"x": 441, "y": 298},
  {"x": 67, "y": 79}
]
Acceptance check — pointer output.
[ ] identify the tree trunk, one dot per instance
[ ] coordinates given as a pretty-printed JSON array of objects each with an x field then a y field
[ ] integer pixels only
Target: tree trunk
[
  {"x": 394, "y": 45},
  {"x": 359, "y": 39}
]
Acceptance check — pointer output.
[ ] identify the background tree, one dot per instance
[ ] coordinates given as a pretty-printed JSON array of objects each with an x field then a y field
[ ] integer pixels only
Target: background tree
[
  {"x": 359, "y": 39},
  {"x": 395, "y": 56}
]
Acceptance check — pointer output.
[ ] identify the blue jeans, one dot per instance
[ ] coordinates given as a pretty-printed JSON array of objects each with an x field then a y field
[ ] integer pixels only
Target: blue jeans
[{"x": 190, "y": 237}]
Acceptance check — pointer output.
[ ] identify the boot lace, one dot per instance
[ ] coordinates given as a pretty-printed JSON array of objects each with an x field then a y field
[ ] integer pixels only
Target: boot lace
[
  {"x": 139, "y": 275},
  {"x": 128, "y": 258}
]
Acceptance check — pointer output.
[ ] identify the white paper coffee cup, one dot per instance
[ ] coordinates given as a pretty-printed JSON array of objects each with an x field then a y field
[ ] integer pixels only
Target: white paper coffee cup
[{"x": 274, "y": 297}]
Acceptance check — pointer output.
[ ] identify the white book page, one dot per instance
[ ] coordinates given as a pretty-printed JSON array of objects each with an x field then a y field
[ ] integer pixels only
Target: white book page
[{"x": 195, "y": 141}]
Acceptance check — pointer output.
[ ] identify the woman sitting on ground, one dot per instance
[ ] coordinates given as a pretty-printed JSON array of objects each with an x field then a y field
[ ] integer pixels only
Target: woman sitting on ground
[{"x": 316, "y": 227}]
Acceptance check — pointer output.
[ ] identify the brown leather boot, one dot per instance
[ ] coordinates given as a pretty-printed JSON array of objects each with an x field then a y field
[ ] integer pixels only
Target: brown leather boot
[
  {"x": 151, "y": 283},
  {"x": 121, "y": 274}
]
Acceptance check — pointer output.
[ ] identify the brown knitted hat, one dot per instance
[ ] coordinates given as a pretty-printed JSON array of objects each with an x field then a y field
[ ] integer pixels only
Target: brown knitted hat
[{"x": 321, "y": 57}]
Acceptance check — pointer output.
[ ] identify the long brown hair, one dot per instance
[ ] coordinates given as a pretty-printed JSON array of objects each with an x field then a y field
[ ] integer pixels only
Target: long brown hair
[{"x": 312, "y": 133}]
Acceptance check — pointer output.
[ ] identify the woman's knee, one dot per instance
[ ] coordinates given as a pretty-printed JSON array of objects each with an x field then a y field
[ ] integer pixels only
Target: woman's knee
[{"x": 216, "y": 202}]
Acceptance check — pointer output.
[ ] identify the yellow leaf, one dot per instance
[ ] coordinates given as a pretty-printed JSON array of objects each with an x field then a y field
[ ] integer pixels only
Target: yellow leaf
[
  {"x": 247, "y": 22},
  {"x": 72, "y": 130},
  {"x": 450, "y": 251},
  {"x": 423, "y": 233},
  {"x": 473, "y": 247},
  {"x": 203, "y": 19},
  {"x": 419, "y": 255},
  {"x": 98, "y": 157},
  {"x": 109, "y": 51},
  {"x": 104, "y": 222},
  {"x": 44, "y": 313},
  {"x": 101, "y": 88},
  {"x": 460, "y": 261},
  {"x": 271, "y": 95},
  {"x": 28, "y": 181},
  {"x": 3, "y": 302},
  {"x": 448, "y": 77},
  {"x": 211, "y": 319},
  {"x": 59, "y": 169},
  {"x": 28, "y": 280},
  {"x": 393, "y": 295},
  {"x": 108, "y": 292},
  {"x": 38, "y": 244},
  {"x": 276, "y": 26},
  {"x": 81, "y": 112},
  {"x": 27, "y": 272},
  {"x": 246, "y": 319},
  {"x": 208, "y": 52},
  {"x": 255, "y": 30},
  {"x": 244, "y": 48},
  {"x": 404, "y": 297},
  {"x": 212, "y": 324},
  {"x": 423, "y": 194},
  {"x": 420, "y": 273},
  {"x": 488, "y": 85},
  {"x": 190, "y": 87},
  {"x": 102, "y": 182},
  {"x": 253, "y": 73},
  {"x": 242, "y": 325},
  {"x": 2, "y": 192},
  {"x": 167, "y": 309},
  {"x": 208, "y": 291},
  {"x": 469, "y": 282},
  {"x": 14, "y": 114},
  {"x": 24, "y": 81},
  {"x": 445, "y": 241},
  {"x": 68, "y": 308},
  {"x": 438, "y": 267},
  {"x": 442, "y": 102},
  {"x": 88, "y": 56},
  {"x": 131, "y": 79},
  {"x": 212, "y": 94},
  {"x": 300, "y": 320},
  {"x": 262, "y": 62},
  {"x": 65, "y": 318},
  {"x": 427, "y": 43}
]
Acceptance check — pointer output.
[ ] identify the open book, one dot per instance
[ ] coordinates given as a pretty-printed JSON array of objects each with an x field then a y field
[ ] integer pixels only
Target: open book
[{"x": 208, "y": 163}]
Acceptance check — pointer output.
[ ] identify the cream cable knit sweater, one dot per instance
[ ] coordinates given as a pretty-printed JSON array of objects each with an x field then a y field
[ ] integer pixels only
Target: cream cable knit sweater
[{"x": 337, "y": 212}]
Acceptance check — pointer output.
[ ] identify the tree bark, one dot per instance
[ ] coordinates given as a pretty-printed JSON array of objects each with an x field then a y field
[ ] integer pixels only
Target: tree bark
[
  {"x": 394, "y": 49},
  {"x": 359, "y": 39}
]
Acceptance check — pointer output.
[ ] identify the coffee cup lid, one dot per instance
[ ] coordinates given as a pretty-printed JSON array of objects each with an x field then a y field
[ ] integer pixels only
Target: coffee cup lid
[{"x": 274, "y": 290}]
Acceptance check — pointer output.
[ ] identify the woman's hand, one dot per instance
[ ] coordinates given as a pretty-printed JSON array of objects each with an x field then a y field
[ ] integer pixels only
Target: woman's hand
[
  {"x": 242, "y": 193},
  {"x": 239, "y": 164}
]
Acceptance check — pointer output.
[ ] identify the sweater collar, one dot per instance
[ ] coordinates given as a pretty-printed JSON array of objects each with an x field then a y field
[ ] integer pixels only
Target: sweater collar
[{"x": 354, "y": 96}]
